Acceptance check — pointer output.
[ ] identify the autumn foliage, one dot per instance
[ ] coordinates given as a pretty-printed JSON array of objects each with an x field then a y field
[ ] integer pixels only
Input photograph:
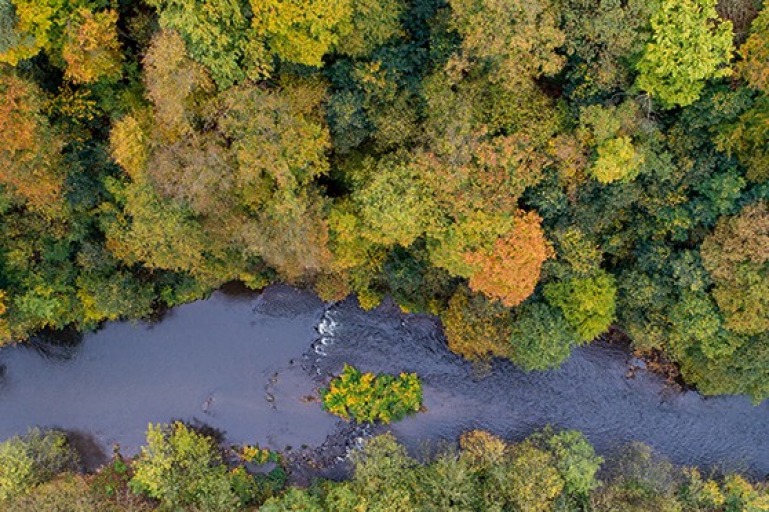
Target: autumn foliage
[
  {"x": 476, "y": 327},
  {"x": 92, "y": 49},
  {"x": 510, "y": 270},
  {"x": 737, "y": 256},
  {"x": 29, "y": 148}
]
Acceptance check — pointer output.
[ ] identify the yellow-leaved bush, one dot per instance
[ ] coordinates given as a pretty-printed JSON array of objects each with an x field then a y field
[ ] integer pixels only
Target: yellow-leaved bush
[{"x": 368, "y": 397}]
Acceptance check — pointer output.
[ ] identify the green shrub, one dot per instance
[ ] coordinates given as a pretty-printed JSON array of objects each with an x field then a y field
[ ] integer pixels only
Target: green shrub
[
  {"x": 32, "y": 459},
  {"x": 182, "y": 469},
  {"x": 369, "y": 397}
]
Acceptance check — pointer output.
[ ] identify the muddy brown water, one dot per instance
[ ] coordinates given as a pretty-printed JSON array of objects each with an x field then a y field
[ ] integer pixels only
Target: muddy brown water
[{"x": 249, "y": 365}]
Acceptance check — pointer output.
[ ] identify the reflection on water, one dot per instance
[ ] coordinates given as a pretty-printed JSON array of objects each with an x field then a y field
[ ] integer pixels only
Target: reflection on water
[{"x": 249, "y": 366}]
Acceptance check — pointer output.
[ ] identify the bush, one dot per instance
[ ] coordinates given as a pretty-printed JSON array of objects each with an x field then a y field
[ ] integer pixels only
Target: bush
[
  {"x": 366, "y": 397},
  {"x": 256, "y": 455},
  {"x": 183, "y": 468},
  {"x": 67, "y": 494},
  {"x": 72, "y": 493},
  {"x": 32, "y": 459}
]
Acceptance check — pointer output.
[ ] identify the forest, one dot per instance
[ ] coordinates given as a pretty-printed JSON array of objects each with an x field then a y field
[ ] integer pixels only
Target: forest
[
  {"x": 183, "y": 470},
  {"x": 534, "y": 172}
]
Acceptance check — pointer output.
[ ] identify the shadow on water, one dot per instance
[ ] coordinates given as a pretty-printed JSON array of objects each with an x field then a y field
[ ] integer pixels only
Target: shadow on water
[
  {"x": 236, "y": 290},
  {"x": 56, "y": 345},
  {"x": 89, "y": 448},
  {"x": 248, "y": 366}
]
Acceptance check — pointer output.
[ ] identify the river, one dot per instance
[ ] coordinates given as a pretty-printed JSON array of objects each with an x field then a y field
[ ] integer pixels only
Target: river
[{"x": 249, "y": 365}]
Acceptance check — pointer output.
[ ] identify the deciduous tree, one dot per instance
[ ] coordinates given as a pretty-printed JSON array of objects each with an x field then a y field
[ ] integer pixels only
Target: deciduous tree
[
  {"x": 737, "y": 256},
  {"x": 754, "y": 66},
  {"x": 688, "y": 47},
  {"x": 91, "y": 47},
  {"x": 516, "y": 40},
  {"x": 29, "y": 148},
  {"x": 300, "y": 31},
  {"x": 510, "y": 270},
  {"x": 587, "y": 303},
  {"x": 540, "y": 337},
  {"x": 476, "y": 327},
  {"x": 218, "y": 35}
]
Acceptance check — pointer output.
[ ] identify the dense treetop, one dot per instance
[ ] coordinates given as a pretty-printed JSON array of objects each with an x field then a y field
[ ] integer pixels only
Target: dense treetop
[{"x": 532, "y": 171}]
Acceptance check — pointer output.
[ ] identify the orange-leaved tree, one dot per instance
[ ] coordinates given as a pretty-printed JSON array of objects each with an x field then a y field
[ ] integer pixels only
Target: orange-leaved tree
[{"x": 510, "y": 270}]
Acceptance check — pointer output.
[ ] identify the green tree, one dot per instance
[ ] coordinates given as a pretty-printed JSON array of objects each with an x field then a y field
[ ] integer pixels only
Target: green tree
[
  {"x": 540, "y": 337},
  {"x": 295, "y": 500},
  {"x": 528, "y": 480},
  {"x": 107, "y": 292},
  {"x": 300, "y": 31},
  {"x": 575, "y": 459},
  {"x": 372, "y": 24},
  {"x": 617, "y": 160},
  {"x": 151, "y": 230},
  {"x": 745, "y": 138},
  {"x": 603, "y": 37},
  {"x": 587, "y": 303},
  {"x": 517, "y": 40},
  {"x": 688, "y": 46},
  {"x": 395, "y": 206},
  {"x": 714, "y": 358},
  {"x": 182, "y": 468},
  {"x": 641, "y": 481},
  {"x": 218, "y": 35},
  {"x": 279, "y": 139}
]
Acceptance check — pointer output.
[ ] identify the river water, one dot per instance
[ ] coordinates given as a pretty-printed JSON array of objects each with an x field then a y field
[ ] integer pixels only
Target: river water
[{"x": 250, "y": 365}]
